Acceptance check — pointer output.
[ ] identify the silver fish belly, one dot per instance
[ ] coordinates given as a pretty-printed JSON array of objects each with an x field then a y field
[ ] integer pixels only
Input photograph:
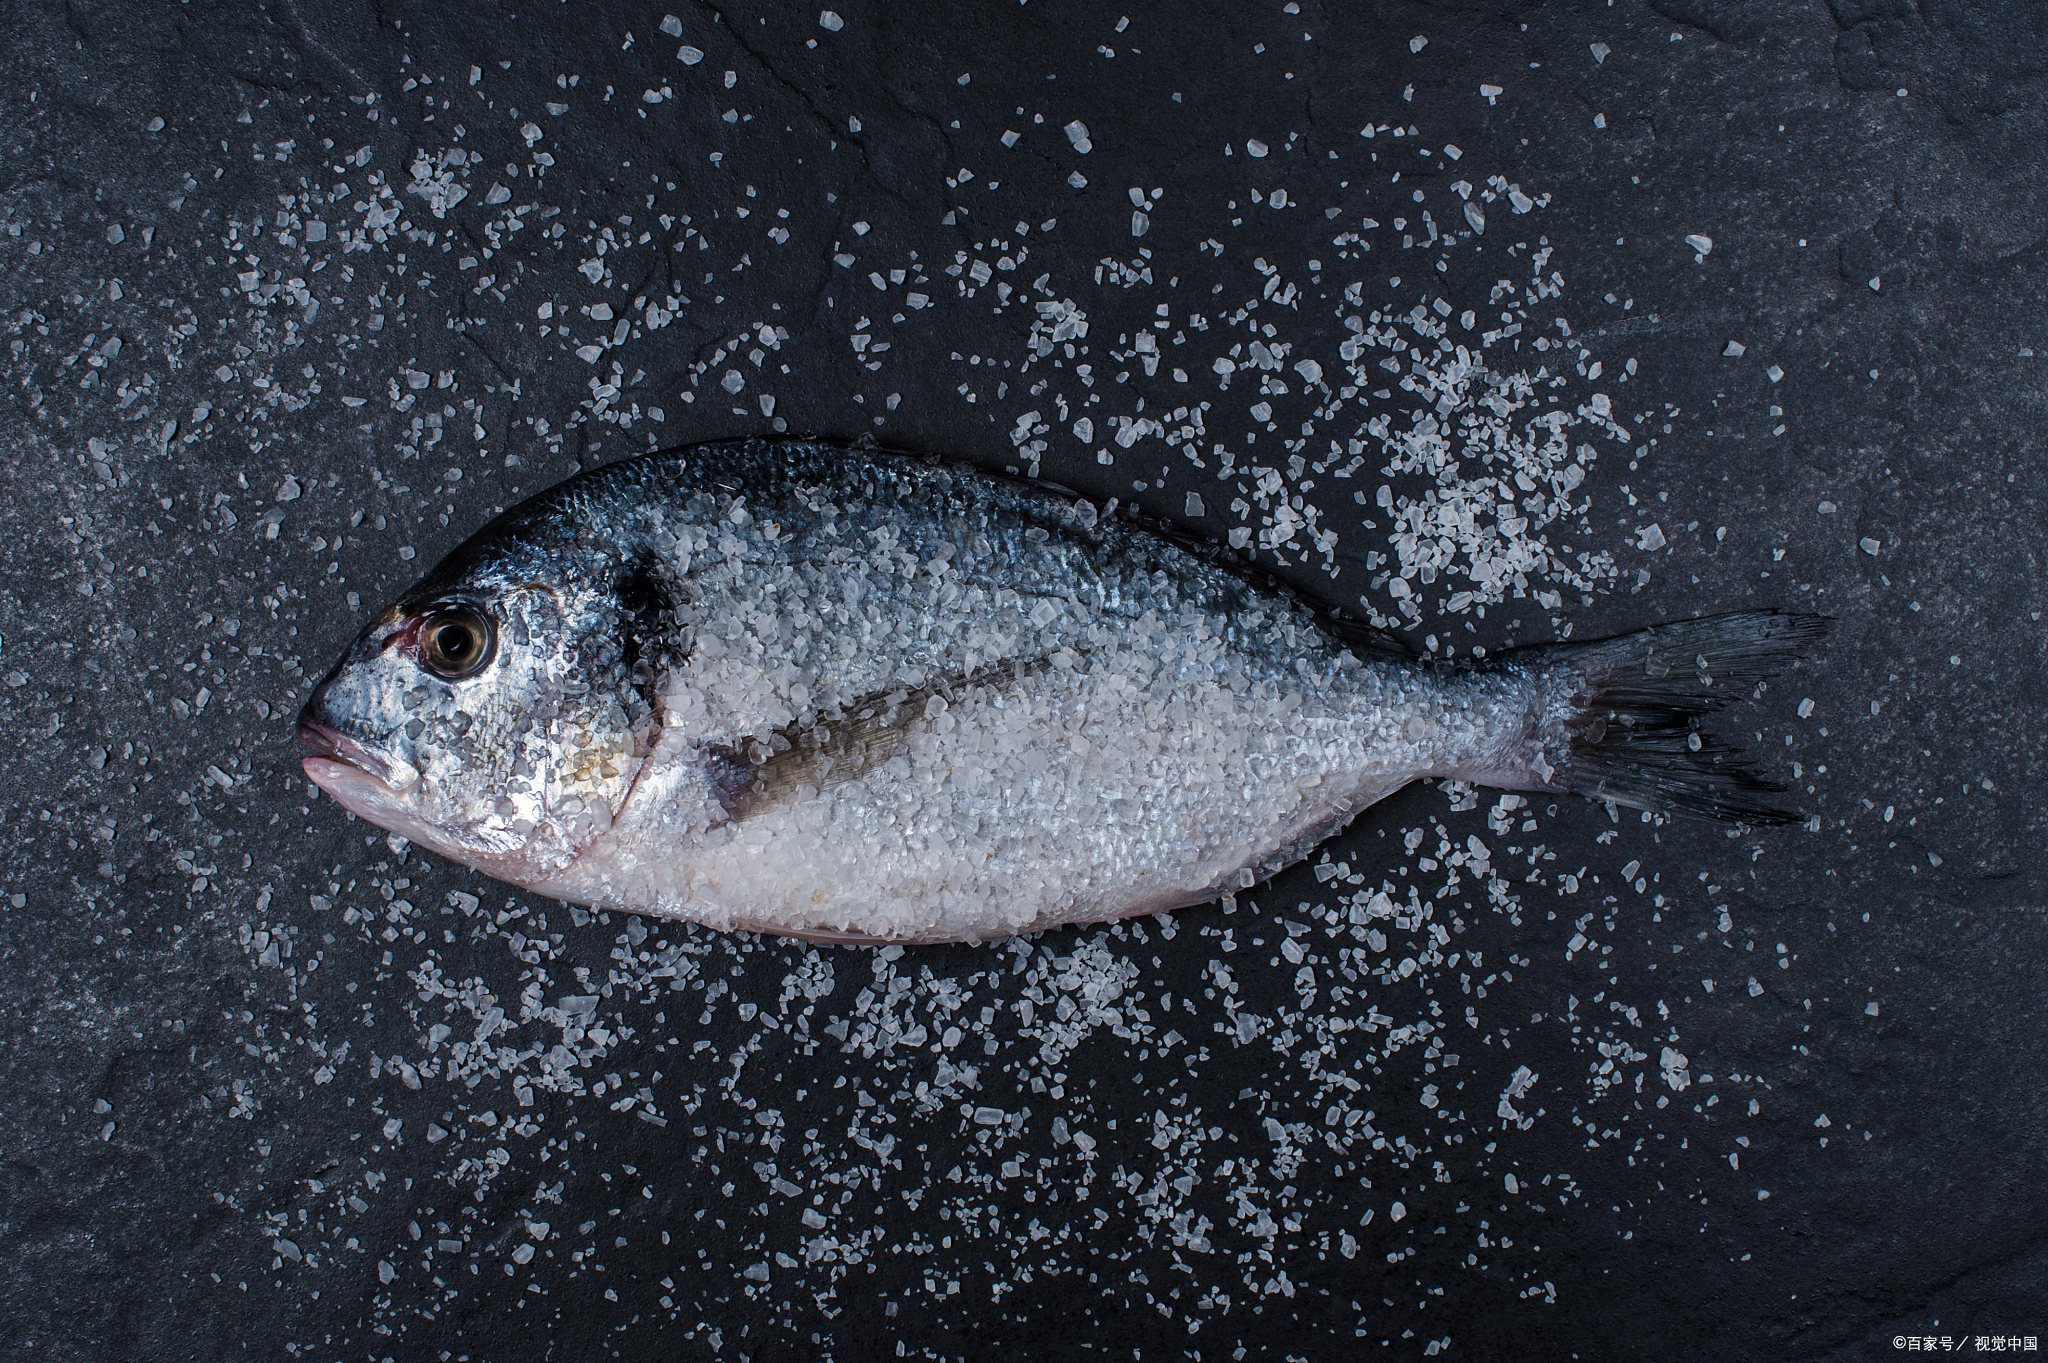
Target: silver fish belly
[{"x": 798, "y": 688}]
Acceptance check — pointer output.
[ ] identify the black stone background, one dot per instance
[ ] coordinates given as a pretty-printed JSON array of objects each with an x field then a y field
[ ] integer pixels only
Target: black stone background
[{"x": 165, "y": 1135}]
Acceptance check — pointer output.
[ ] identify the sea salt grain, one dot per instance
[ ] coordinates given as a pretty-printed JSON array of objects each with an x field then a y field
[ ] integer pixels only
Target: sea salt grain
[{"x": 1700, "y": 243}]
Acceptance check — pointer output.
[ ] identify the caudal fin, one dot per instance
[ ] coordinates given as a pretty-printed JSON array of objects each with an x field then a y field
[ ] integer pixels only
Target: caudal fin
[{"x": 1620, "y": 717}]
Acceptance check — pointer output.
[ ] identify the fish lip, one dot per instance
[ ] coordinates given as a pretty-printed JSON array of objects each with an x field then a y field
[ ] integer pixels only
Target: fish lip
[{"x": 325, "y": 743}]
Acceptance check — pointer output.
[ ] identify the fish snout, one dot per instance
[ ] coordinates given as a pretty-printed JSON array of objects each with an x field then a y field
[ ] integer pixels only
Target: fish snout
[{"x": 326, "y": 741}]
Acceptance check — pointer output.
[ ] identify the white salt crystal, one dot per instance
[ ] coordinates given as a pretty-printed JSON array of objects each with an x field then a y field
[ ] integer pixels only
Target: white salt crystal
[
  {"x": 1775, "y": 373},
  {"x": 1077, "y": 133},
  {"x": 1733, "y": 348},
  {"x": 1600, "y": 51},
  {"x": 689, "y": 56},
  {"x": 829, "y": 20},
  {"x": 1397, "y": 1211},
  {"x": 1675, "y": 1068},
  {"x": 1870, "y": 1009},
  {"x": 1870, "y": 546},
  {"x": 1254, "y": 147},
  {"x": 1700, "y": 243},
  {"x": 1650, "y": 537},
  {"x": 1194, "y": 506},
  {"x": 1806, "y": 708},
  {"x": 672, "y": 26}
]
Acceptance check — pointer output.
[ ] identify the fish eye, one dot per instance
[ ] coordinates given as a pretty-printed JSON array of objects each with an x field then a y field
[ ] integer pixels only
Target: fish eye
[{"x": 455, "y": 642}]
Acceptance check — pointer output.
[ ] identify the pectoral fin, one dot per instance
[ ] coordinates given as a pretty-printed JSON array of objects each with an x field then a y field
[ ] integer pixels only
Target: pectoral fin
[{"x": 833, "y": 748}]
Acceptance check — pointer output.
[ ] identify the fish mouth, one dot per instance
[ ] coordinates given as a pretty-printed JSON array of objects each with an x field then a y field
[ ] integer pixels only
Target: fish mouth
[{"x": 336, "y": 759}]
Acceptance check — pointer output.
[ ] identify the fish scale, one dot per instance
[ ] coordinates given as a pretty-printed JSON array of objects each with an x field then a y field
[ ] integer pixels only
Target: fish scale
[{"x": 795, "y": 687}]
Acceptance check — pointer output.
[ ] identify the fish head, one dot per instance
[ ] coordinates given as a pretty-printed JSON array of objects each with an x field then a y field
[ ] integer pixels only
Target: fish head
[{"x": 498, "y": 714}]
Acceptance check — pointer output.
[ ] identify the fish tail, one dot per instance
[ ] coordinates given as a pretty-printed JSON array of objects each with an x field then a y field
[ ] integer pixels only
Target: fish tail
[{"x": 1619, "y": 719}]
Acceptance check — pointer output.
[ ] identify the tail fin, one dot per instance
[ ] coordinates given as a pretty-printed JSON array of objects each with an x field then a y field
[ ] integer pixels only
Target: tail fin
[{"x": 1618, "y": 718}]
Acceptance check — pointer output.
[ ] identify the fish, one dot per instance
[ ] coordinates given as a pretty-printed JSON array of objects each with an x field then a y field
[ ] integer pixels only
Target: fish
[{"x": 858, "y": 696}]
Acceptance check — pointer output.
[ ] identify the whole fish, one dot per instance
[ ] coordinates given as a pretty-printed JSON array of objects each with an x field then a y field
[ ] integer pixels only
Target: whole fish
[{"x": 851, "y": 696}]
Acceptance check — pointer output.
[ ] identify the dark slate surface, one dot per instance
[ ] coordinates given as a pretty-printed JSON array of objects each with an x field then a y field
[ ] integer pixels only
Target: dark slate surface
[{"x": 214, "y": 1148}]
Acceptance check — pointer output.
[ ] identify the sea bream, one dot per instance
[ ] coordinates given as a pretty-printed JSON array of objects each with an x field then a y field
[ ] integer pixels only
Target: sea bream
[{"x": 801, "y": 688}]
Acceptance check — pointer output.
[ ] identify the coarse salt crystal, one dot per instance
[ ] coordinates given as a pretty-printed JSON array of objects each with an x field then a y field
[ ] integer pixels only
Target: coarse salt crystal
[{"x": 1700, "y": 243}]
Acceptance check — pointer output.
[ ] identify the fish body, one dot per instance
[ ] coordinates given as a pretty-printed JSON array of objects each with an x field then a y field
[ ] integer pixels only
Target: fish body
[{"x": 799, "y": 688}]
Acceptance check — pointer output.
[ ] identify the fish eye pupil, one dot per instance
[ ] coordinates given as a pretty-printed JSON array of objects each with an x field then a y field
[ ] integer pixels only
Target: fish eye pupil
[{"x": 455, "y": 643}]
